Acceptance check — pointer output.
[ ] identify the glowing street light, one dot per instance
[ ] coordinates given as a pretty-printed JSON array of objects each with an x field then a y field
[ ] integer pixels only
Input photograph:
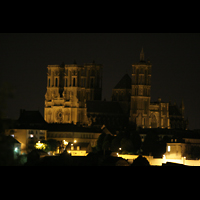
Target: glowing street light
[{"x": 65, "y": 142}]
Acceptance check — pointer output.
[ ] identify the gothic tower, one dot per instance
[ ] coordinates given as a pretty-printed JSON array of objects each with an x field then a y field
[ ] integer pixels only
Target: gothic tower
[
  {"x": 140, "y": 94},
  {"x": 68, "y": 89}
]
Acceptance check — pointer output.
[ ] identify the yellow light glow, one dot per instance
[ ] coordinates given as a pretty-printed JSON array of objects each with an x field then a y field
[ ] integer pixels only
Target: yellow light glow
[
  {"x": 65, "y": 142},
  {"x": 168, "y": 148},
  {"x": 39, "y": 145},
  {"x": 75, "y": 141}
]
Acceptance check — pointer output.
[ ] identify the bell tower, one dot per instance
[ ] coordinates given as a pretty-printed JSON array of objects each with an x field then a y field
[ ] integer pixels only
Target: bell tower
[{"x": 140, "y": 92}]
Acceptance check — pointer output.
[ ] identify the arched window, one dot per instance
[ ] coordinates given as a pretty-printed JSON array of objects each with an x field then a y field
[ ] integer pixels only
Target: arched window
[
  {"x": 56, "y": 82},
  {"x": 66, "y": 80},
  {"x": 133, "y": 80},
  {"x": 49, "y": 82},
  {"x": 74, "y": 82},
  {"x": 92, "y": 82}
]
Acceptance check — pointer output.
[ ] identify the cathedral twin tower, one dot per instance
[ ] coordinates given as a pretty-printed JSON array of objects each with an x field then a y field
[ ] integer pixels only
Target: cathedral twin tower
[
  {"x": 69, "y": 87},
  {"x": 72, "y": 88}
]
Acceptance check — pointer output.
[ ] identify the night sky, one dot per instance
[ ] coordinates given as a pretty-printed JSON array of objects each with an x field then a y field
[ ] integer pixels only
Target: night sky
[{"x": 175, "y": 59}]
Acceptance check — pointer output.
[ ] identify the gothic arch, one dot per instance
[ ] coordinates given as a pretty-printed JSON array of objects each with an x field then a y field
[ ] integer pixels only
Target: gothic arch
[{"x": 154, "y": 123}]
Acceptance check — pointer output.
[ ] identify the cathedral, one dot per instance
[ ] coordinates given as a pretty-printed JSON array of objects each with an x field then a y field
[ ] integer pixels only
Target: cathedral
[{"x": 74, "y": 95}]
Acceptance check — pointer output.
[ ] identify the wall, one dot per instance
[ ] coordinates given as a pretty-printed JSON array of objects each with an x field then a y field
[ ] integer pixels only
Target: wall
[
  {"x": 85, "y": 137},
  {"x": 78, "y": 152},
  {"x": 23, "y": 136},
  {"x": 159, "y": 161}
]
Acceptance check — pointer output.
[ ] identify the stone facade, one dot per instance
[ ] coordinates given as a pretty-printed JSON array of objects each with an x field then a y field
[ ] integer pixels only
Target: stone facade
[
  {"x": 68, "y": 89},
  {"x": 74, "y": 95},
  {"x": 142, "y": 112}
]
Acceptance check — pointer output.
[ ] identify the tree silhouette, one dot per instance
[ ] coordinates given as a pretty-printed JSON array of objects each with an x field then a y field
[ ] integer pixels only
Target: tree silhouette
[
  {"x": 140, "y": 161},
  {"x": 136, "y": 141},
  {"x": 150, "y": 143},
  {"x": 100, "y": 141}
]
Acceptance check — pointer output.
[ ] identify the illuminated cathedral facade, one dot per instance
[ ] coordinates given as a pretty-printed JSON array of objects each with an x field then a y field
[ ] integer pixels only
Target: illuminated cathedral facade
[
  {"x": 74, "y": 95},
  {"x": 69, "y": 87}
]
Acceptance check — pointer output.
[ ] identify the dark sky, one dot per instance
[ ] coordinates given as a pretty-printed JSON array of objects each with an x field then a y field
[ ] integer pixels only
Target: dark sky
[{"x": 175, "y": 59}]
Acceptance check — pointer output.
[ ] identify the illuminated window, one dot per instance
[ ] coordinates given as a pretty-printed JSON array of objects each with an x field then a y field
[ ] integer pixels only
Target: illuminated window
[{"x": 168, "y": 148}]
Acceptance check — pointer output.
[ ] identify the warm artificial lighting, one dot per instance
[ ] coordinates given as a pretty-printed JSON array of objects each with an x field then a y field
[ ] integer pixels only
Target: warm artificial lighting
[
  {"x": 74, "y": 141},
  {"x": 72, "y": 144},
  {"x": 65, "y": 142},
  {"x": 39, "y": 145},
  {"x": 168, "y": 148},
  {"x": 120, "y": 148}
]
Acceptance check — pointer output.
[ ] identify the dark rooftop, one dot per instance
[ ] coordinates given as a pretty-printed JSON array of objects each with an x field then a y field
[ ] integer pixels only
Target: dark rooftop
[
  {"x": 124, "y": 83},
  {"x": 31, "y": 117},
  {"x": 71, "y": 128}
]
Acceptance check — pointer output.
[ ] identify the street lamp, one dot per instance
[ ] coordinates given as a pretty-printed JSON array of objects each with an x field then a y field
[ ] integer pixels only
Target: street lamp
[{"x": 65, "y": 142}]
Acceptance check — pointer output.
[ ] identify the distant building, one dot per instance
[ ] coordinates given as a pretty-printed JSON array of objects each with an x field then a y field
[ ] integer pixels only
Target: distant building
[
  {"x": 68, "y": 89},
  {"x": 74, "y": 96},
  {"x": 71, "y": 133},
  {"x": 78, "y": 148},
  {"x": 176, "y": 114},
  {"x": 28, "y": 129},
  {"x": 188, "y": 147},
  {"x": 31, "y": 128}
]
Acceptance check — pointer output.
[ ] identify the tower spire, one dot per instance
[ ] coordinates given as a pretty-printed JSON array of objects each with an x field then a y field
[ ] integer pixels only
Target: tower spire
[{"x": 142, "y": 55}]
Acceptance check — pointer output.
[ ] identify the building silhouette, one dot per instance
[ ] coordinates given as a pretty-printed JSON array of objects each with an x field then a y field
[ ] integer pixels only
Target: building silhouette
[{"x": 74, "y": 95}]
